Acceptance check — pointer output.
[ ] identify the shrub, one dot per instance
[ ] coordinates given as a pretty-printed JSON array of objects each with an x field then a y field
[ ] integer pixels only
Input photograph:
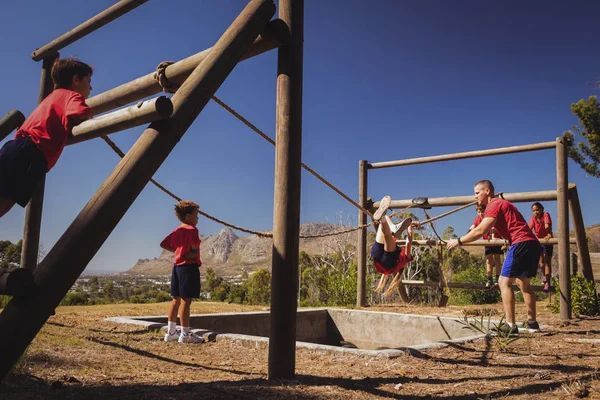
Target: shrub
[
  {"x": 473, "y": 296},
  {"x": 584, "y": 299}
]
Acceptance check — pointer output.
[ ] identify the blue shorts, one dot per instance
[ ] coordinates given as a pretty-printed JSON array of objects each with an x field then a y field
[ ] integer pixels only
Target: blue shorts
[
  {"x": 522, "y": 260},
  {"x": 493, "y": 250},
  {"x": 547, "y": 249},
  {"x": 22, "y": 167},
  {"x": 185, "y": 281},
  {"x": 389, "y": 259}
]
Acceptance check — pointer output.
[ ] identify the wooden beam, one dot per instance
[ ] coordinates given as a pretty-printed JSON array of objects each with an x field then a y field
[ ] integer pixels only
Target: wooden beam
[
  {"x": 458, "y": 285},
  {"x": 286, "y": 215},
  {"x": 466, "y": 154},
  {"x": 482, "y": 242},
  {"x": 85, "y": 28},
  {"x": 580, "y": 235},
  {"x": 562, "y": 209},
  {"x": 363, "y": 176},
  {"x": 272, "y": 36},
  {"x": 33, "y": 212},
  {"x": 16, "y": 281},
  {"x": 129, "y": 117},
  {"x": 518, "y": 197},
  {"x": 10, "y": 122},
  {"x": 73, "y": 251}
]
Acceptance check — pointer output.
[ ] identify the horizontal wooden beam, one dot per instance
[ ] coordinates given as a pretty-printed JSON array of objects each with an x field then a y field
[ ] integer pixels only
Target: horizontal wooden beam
[
  {"x": 488, "y": 243},
  {"x": 272, "y": 37},
  {"x": 458, "y": 285},
  {"x": 85, "y": 28},
  {"x": 466, "y": 154},
  {"x": 518, "y": 197},
  {"x": 129, "y": 117},
  {"x": 10, "y": 122}
]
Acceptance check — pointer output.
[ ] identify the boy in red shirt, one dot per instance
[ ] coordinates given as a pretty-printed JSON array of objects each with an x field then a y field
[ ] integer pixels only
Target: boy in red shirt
[
  {"x": 492, "y": 253},
  {"x": 185, "y": 277},
  {"x": 39, "y": 142},
  {"x": 541, "y": 224},
  {"x": 521, "y": 261}
]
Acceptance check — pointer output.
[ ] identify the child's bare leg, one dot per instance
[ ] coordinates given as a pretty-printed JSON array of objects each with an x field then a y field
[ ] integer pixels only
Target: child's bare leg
[
  {"x": 172, "y": 316},
  {"x": 498, "y": 264},
  {"x": 489, "y": 261},
  {"x": 5, "y": 205},
  {"x": 184, "y": 312},
  {"x": 384, "y": 235},
  {"x": 381, "y": 284},
  {"x": 393, "y": 285}
]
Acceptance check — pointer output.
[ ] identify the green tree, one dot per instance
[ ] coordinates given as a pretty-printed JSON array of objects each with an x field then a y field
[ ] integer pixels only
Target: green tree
[
  {"x": 586, "y": 153},
  {"x": 259, "y": 287},
  {"x": 10, "y": 254}
]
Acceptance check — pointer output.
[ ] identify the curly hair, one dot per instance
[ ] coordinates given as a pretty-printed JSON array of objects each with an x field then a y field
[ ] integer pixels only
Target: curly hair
[
  {"x": 64, "y": 69},
  {"x": 185, "y": 207}
]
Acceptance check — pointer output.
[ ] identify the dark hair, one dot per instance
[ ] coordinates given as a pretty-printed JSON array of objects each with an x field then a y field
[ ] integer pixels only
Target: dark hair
[
  {"x": 185, "y": 207},
  {"x": 538, "y": 205},
  {"x": 480, "y": 207},
  {"x": 487, "y": 184},
  {"x": 64, "y": 69}
]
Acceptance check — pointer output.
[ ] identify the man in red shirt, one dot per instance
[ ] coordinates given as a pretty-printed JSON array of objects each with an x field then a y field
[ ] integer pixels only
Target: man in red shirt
[
  {"x": 541, "y": 225},
  {"x": 39, "y": 142},
  {"x": 521, "y": 260}
]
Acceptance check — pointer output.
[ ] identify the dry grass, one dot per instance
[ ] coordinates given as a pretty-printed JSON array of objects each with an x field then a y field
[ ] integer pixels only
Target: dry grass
[{"x": 78, "y": 355}]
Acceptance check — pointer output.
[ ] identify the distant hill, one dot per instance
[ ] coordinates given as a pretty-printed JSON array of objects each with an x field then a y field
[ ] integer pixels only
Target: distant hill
[{"x": 229, "y": 254}]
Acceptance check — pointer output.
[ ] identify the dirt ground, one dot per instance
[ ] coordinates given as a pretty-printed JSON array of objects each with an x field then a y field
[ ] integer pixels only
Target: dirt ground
[{"x": 78, "y": 355}]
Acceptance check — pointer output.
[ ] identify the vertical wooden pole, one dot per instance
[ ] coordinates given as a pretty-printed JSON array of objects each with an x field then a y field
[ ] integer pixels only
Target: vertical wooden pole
[
  {"x": 580, "y": 236},
  {"x": 363, "y": 175},
  {"x": 286, "y": 215},
  {"x": 562, "y": 199},
  {"x": 23, "y": 317},
  {"x": 33, "y": 212}
]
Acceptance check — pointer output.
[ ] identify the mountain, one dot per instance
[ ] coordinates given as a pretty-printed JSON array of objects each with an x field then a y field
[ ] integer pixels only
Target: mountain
[{"x": 229, "y": 254}]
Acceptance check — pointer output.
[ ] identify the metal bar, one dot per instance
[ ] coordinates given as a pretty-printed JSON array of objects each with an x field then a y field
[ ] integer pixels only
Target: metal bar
[
  {"x": 286, "y": 215},
  {"x": 87, "y": 27},
  {"x": 466, "y": 154},
  {"x": 458, "y": 285},
  {"x": 562, "y": 208},
  {"x": 518, "y": 197},
  {"x": 33, "y": 212},
  {"x": 580, "y": 235},
  {"x": 10, "y": 122},
  {"x": 68, "y": 258},
  {"x": 129, "y": 117},
  {"x": 476, "y": 243},
  {"x": 363, "y": 175},
  {"x": 270, "y": 38}
]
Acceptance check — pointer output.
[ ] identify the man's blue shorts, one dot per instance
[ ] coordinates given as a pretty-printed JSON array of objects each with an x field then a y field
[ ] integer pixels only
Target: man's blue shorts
[
  {"x": 185, "y": 281},
  {"x": 522, "y": 260},
  {"x": 22, "y": 167}
]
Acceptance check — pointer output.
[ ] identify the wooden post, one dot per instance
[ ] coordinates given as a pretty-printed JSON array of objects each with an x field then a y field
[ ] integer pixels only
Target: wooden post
[
  {"x": 16, "y": 281},
  {"x": 10, "y": 122},
  {"x": 84, "y": 237},
  {"x": 33, "y": 212},
  {"x": 562, "y": 207},
  {"x": 129, "y": 117},
  {"x": 363, "y": 184},
  {"x": 573, "y": 264},
  {"x": 580, "y": 236},
  {"x": 85, "y": 28},
  {"x": 286, "y": 218}
]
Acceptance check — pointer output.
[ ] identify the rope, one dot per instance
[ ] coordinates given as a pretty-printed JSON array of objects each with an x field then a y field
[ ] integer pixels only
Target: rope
[{"x": 169, "y": 87}]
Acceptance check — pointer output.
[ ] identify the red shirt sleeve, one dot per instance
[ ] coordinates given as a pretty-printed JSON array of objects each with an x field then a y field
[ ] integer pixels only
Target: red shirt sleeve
[
  {"x": 547, "y": 219},
  {"x": 76, "y": 107},
  {"x": 492, "y": 210},
  {"x": 167, "y": 241}
]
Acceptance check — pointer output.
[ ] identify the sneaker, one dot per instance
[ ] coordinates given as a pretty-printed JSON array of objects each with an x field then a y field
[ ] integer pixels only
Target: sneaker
[
  {"x": 506, "y": 330},
  {"x": 172, "y": 337},
  {"x": 384, "y": 204},
  {"x": 402, "y": 226},
  {"x": 546, "y": 286},
  {"x": 530, "y": 326},
  {"x": 190, "y": 338},
  {"x": 489, "y": 283}
]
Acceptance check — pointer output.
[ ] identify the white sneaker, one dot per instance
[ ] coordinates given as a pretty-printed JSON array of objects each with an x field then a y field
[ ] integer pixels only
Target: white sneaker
[
  {"x": 402, "y": 226},
  {"x": 172, "y": 337},
  {"x": 384, "y": 204},
  {"x": 190, "y": 338}
]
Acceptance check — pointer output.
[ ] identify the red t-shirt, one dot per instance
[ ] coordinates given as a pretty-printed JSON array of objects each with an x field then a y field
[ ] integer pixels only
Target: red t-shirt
[
  {"x": 181, "y": 240},
  {"x": 510, "y": 224},
  {"x": 50, "y": 124},
  {"x": 476, "y": 223},
  {"x": 403, "y": 259},
  {"x": 538, "y": 225}
]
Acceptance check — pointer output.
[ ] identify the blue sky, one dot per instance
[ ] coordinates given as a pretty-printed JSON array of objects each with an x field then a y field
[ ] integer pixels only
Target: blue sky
[{"x": 383, "y": 81}]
